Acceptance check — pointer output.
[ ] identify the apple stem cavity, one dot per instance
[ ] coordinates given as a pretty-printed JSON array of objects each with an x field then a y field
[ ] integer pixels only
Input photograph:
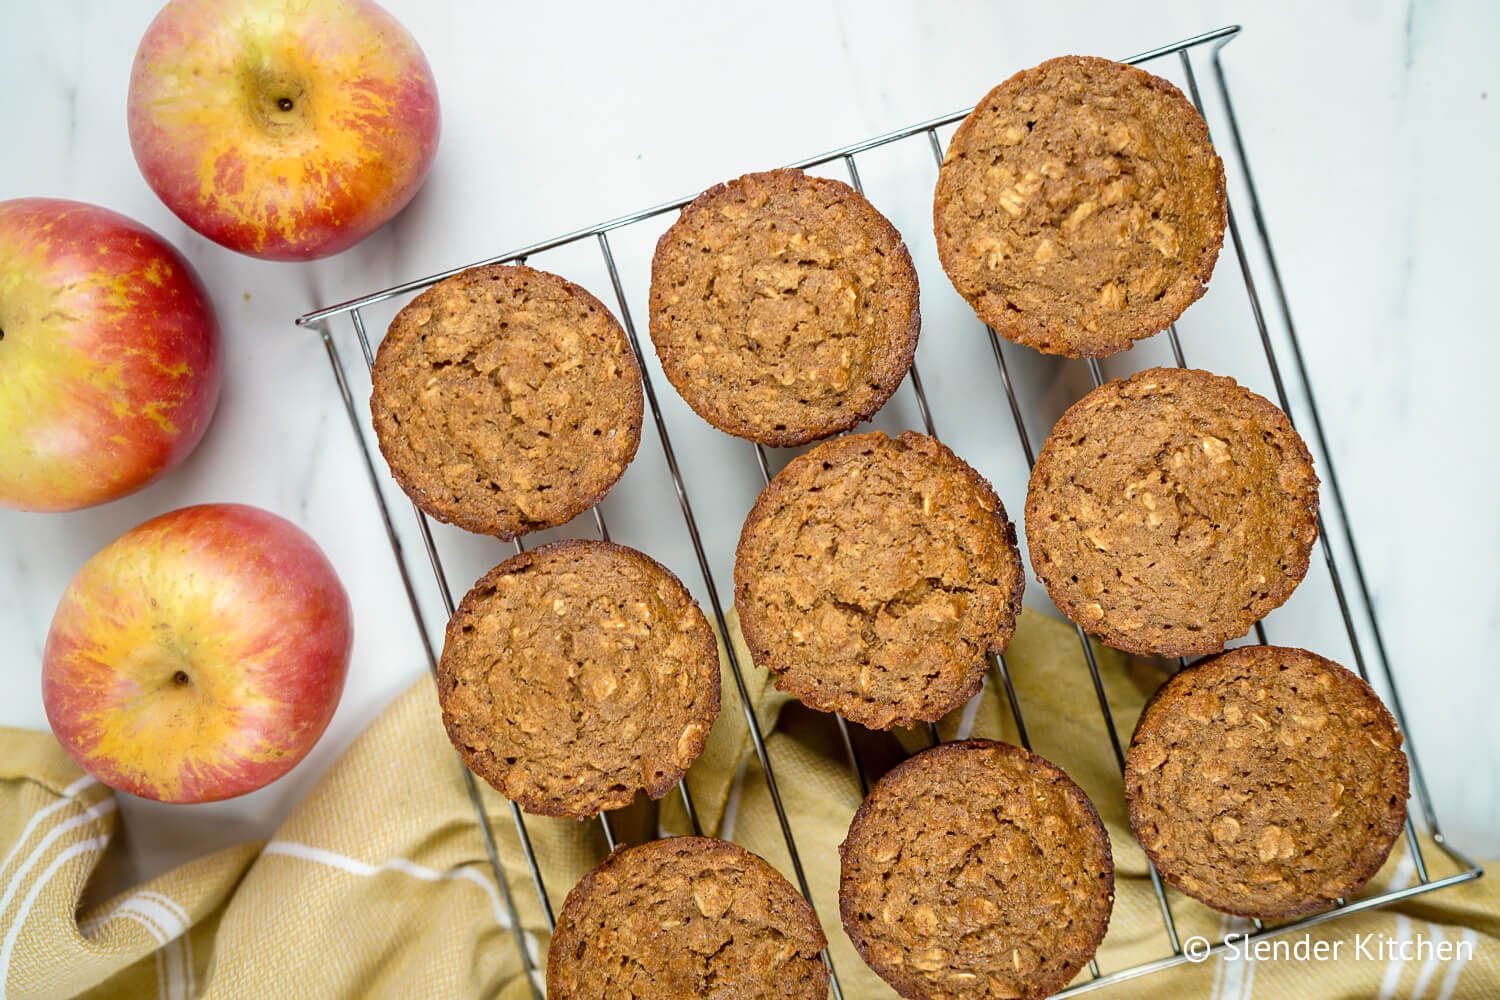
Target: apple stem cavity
[
  {"x": 285, "y": 104},
  {"x": 180, "y": 678}
]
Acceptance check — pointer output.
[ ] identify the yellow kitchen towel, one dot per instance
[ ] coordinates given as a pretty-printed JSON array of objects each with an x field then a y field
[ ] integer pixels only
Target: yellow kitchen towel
[{"x": 379, "y": 885}]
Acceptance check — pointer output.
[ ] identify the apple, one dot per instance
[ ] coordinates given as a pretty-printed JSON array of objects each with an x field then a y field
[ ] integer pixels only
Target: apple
[
  {"x": 284, "y": 129},
  {"x": 109, "y": 355},
  {"x": 198, "y": 656}
]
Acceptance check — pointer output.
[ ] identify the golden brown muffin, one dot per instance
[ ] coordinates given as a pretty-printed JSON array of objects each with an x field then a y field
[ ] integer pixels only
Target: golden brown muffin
[
  {"x": 783, "y": 307},
  {"x": 686, "y": 918},
  {"x": 976, "y": 871},
  {"x": 1170, "y": 511},
  {"x": 873, "y": 576},
  {"x": 1080, "y": 206},
  {"x": 506, "y": 400},
  {"x": 577, "y": 674},
  {"x": 1266, "y": 782}
]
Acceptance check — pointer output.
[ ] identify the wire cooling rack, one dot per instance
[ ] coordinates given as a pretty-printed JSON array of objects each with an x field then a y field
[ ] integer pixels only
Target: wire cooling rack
[{"x": 1277, "y": 341}]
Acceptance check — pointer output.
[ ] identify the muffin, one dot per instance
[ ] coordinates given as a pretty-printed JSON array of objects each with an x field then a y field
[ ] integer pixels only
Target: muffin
[
  {"x": 1080, "y": 207},
  {"x": 1266, "y": 782},
  {"x": 783, "y": 307},
  {"x": 685, "y": 918},
  {"x": 577, "y": 674},
  {"x": 506, "y": 400},
  {"x": 872, "y": 577},
  {"x": 976, "y": 870},
  {"x": 1170, "y": 511}
]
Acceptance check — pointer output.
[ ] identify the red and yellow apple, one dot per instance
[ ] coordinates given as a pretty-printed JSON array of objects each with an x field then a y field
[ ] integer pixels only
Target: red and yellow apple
[
  {"x": 284, "y": 129},
  {"x": 199, "y": 656},
  {"x": 109, "y": 355}
]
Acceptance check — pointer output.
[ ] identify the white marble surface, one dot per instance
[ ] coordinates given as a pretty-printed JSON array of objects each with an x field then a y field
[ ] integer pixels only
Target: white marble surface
[{"x": 1374, "y": 130}]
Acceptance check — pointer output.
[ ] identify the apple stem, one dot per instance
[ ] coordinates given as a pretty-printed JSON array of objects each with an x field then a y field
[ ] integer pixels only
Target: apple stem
[
  {"x": 285, "y": 104},
  {"x": 180, "y": 678}
]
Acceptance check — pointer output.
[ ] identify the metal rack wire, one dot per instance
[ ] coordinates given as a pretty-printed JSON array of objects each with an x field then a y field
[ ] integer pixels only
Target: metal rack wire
[{"x": 1213, "y": 42}]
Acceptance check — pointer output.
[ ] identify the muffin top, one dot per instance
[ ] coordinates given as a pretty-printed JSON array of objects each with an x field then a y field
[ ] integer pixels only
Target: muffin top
[
  {"x": 506, "y": 400},
  {"x": 1080, "y": 206},
  {"x": 976, "y": 870},
  {"x": 874, "y": 574},
  {"x": 783, "y": 307},
  {"x": 1266, "y": 782},
  {"x": 577, "y": 674},
  {"x": 682, "y": 919},
  {"x": 1170, "y": 511}
]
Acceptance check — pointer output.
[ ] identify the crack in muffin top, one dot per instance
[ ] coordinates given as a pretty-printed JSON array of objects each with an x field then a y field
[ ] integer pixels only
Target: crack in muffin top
[
  {"x": 506, "y": 400},
  {"x": 1170, "y": 511},
  {"x": 874, "y": 574},
  {"x": 1080, "y": 206},
  {"x": 577, "y": 674},
  {"x": 783, "y": 307},
  {"x": 686, "y": 918},
  {"x": 976, "y": 870},
  {"x": 1266, "y": 782}
]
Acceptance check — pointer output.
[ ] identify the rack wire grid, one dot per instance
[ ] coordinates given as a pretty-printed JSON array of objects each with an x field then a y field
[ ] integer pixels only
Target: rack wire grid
[{"x": 1274, "y": 336}]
